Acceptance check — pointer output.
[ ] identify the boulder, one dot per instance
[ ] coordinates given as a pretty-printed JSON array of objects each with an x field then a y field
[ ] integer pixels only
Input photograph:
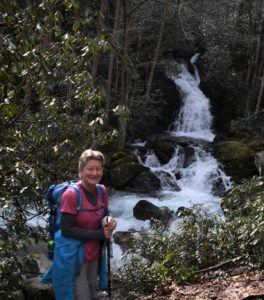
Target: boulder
[
  {"x": 145, "y": 182},
  {"x": 219, "y": 187},
  {"x": 164, "y": 150},
  {"x": 34, "y": 289},
  {"x": 145, "y": 210},
  {"x": 129, "y": 158},
  {"x": 124, "y": 239},
  {"x": 183, "y": 212},
  {"x": 237, "y": 158},
  {"x": 35, "y": 259},
  {"x": 122, "y": 174}
]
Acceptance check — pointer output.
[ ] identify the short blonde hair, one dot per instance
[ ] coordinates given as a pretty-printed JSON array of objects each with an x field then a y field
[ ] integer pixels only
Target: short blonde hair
[{"x": 90, "y": 154}]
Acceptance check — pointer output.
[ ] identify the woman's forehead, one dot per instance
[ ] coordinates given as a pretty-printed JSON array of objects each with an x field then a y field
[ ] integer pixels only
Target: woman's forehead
[{"x": 93, "y": 162}]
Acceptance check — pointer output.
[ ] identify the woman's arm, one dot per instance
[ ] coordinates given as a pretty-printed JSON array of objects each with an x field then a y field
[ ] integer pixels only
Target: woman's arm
[{"x": 69, "y": 229}]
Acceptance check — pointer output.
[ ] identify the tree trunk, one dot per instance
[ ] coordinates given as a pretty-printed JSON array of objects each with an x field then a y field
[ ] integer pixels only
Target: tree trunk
[
  {"x": 258, "y": 48},
  {"x": 124, "y": 77},
  {"x": 157, "y": 52},
  {"x": 248, "y": 78},
  {"x": 96, "y": 59},
  {"x": 260, "y": 95},
  {"x": 110, "y": 67}
]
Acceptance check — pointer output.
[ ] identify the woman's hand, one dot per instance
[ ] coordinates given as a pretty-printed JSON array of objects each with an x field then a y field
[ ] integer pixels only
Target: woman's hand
[{"x": 110, "y": 226}]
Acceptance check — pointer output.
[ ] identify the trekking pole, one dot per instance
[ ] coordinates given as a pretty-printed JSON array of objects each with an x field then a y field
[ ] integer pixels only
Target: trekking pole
[{"x": 108, "y": 267}]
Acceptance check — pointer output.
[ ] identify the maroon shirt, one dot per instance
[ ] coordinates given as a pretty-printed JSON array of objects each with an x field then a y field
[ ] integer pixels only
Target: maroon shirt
[{"x": 89, "y": 220}]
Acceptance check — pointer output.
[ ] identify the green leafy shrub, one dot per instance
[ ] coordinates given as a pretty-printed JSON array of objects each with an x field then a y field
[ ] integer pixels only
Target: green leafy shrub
[
  {"x": 50, "y": 111},
  {"x": 199, "y": 241},
  {"x": 244, "y": 211}
]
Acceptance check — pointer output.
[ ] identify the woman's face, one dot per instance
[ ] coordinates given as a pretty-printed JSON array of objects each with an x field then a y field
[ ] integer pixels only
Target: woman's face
[{"x": 92, "y": 172}]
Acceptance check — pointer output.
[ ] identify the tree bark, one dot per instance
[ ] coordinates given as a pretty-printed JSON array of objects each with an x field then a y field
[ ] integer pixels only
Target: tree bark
[
  {"x": 95, "y": 62},
  {"x": 248, "y": 78},
  {"x": 124, "y": 77},
  {"x": 110, "y": 67},
  {"x": 258, "y": 48},
  {"x": 157, "y": 53},
  {"x": 260, "y": 95}
]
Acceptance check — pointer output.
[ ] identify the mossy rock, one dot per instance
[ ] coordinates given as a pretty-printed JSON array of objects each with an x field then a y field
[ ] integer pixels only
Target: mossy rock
[
  {"x": 119, "y": 154},
  {"x": 124, "y": 160},
  {"x": 235, "y": 151},
  {"x": 237, "y": 158}
]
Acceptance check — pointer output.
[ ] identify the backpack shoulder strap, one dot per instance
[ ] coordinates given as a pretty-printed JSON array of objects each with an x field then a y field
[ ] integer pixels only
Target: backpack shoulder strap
[
  {"x": 101, "y": 191},
  {"x": 79, "y": 196}
]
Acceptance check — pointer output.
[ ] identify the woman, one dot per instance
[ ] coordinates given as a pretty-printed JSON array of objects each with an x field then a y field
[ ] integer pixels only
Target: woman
[{"x": 85, "y": 224}]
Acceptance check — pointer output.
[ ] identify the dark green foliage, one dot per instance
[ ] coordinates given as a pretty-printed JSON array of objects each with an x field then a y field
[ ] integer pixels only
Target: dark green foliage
[
  {"x": 50, "y": 111},
  {"x": 244, "y": 211},
  {"x": 146, "y": 115}
]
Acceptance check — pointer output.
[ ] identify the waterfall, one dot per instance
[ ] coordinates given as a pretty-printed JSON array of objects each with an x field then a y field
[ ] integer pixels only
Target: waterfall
[
  {"x": 194, "y": 119},
  {"x": 192, "y": 175},
  {"x": 199, "y": 173}
]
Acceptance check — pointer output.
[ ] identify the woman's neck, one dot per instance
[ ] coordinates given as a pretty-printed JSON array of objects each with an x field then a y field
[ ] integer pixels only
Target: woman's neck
[{"x": 88, "y": 187}]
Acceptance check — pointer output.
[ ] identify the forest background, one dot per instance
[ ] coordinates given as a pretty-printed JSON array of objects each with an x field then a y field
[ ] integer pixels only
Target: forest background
[{"x": 81, "y": 74}]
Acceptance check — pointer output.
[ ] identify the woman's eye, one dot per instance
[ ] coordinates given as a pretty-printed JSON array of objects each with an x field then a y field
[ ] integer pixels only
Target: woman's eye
[{"x": 93, "y": 169}]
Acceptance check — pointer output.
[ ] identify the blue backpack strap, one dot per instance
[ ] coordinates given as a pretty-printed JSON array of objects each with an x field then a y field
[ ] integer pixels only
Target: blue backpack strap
[
  {"x": 79, "y": 196},
  {"x": 102, "y": 194},
  {"x": 71, "y": 185}
]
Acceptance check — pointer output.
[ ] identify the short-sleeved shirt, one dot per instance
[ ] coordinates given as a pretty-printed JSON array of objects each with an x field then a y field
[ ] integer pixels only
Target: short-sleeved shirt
[{"x": 89, "y": 217}]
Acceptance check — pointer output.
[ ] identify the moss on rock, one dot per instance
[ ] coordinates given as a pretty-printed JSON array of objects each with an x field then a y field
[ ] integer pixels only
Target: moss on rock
[{"x": 237, "y": 158}]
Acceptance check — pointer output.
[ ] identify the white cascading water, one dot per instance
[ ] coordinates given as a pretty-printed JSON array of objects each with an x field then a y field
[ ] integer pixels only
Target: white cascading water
[
  {"x": 198, "y": 178},
  {"x": 194, "y": 119}
]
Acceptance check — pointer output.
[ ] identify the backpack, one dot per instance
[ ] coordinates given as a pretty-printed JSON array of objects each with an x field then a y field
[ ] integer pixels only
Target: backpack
[{"x": 53, "y": 197}]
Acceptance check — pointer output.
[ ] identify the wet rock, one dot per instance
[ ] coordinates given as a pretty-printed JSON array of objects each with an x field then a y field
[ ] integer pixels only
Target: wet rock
[
  {"x": 145, "y": 210},
  {"x": 144, "y": 182},
  {"x": 164, "y": 151},
  {"x": 189, "y": 156},
  {"x": 218, "y": 187},
  {"x": 170, "y": 179},
  {"x": 124, "y": 239},
  {"x": 121, "y": 175},
  {"x": 183, "y": 211}
]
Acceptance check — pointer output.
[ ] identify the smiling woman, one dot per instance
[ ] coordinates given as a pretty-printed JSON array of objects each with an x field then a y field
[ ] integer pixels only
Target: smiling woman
[{"x": 81, "y": 232}]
